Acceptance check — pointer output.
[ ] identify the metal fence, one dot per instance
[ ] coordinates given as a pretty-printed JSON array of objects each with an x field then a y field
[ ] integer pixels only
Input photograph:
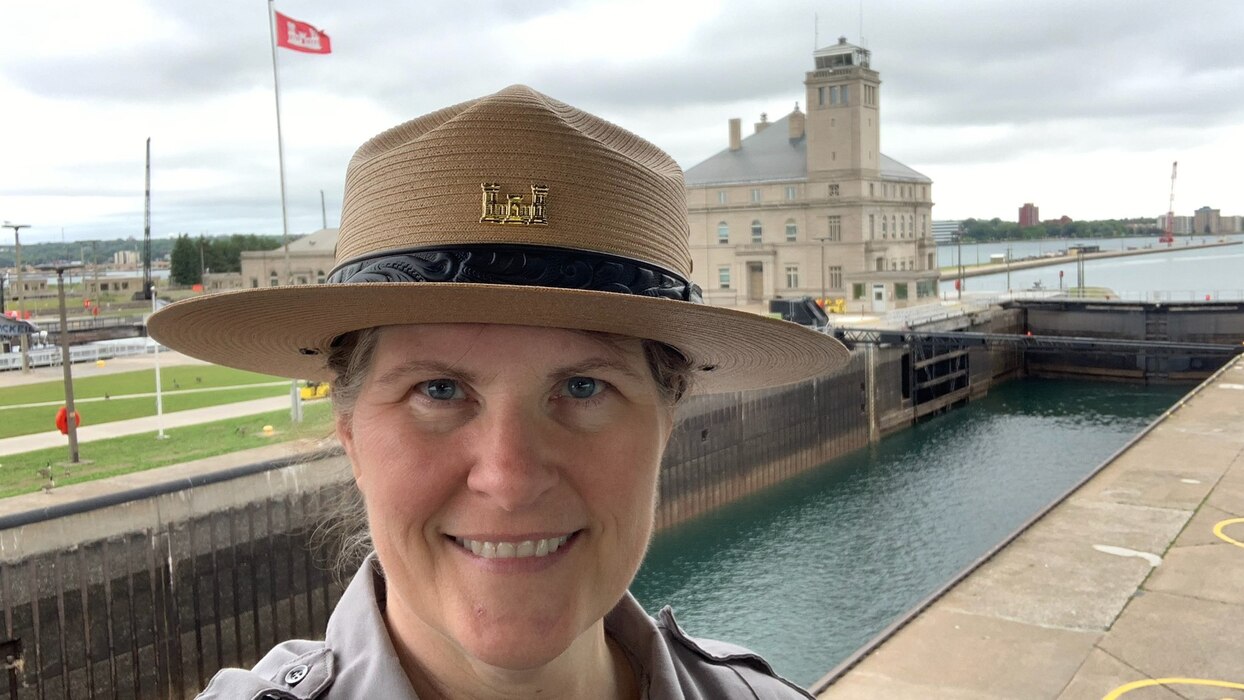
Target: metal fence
[
  {"x": 102, "y": 350},
  {"x": 154, "y": 613}
]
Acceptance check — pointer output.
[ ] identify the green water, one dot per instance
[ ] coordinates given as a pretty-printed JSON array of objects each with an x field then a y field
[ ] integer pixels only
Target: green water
[{"x": 808, "y": 571}]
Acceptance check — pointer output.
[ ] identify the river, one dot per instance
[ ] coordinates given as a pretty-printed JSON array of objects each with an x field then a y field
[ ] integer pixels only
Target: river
[{"x": 806, "y": 572}]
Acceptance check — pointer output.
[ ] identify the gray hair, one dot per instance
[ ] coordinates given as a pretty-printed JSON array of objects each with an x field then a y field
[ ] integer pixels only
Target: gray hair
[{"x": 343, "y": 534}]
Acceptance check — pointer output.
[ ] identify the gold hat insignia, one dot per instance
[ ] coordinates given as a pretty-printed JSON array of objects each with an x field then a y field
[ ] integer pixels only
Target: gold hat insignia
[{"x": 514, "y": 209}]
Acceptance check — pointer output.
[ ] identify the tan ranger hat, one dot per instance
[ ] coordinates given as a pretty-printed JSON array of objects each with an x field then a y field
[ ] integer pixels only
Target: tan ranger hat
[{"x": 515, "y": 209}]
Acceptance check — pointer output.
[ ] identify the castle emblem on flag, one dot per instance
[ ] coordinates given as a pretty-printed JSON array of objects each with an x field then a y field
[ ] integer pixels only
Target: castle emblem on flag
[
  {"x": 514, "y": 209},
  {"x": 300, "y": 36}
]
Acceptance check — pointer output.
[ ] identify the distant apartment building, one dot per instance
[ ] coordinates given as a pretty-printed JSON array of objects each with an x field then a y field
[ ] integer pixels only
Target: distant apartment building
[
  {"x": 1182, "y": 224},
  {"x": 1029, "y": 215},
  {"x": 809, "y": 203},
  {"x": 1206, "y": 220},
  {"x": 1231, "y": 224},
  {"x": 946, "y": 231}
]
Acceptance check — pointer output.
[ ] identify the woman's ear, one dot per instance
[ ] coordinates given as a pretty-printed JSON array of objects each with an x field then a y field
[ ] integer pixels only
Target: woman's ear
[{"x": 344, "y": 427}]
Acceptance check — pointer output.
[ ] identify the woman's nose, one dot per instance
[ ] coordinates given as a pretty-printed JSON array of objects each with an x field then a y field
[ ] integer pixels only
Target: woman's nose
[{"x": 513, "y": 464}]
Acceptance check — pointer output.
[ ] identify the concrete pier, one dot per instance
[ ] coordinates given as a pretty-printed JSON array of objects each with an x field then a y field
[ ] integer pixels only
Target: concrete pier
[
  {"x": 952, "y": 272},
  {"x": 1132, "y": 588}
]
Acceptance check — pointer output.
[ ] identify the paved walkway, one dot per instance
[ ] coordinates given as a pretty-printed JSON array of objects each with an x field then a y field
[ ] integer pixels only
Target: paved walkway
[
  {"x": 135, "y": 426},
  {"x": 148, "y": 424},
  {"x": 1132, "y": 589}
]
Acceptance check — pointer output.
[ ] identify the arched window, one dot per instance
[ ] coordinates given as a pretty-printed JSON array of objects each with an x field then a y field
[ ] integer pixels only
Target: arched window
[
  {"x": 723, "y": 233},
  {"x": 757, "y": 232},
  {"x": 320, "y": 277},
  {"x": 884, "y": 226},
  {"x": 792, "y": 231}
]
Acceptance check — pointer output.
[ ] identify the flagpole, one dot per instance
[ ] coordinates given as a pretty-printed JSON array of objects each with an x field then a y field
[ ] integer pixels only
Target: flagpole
[
  {"x": 295, "y": 398},
  {"x": 280, "y": 142}
]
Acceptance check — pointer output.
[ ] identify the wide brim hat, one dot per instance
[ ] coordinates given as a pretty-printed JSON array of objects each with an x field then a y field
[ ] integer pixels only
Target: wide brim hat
[{"x": 512, "y": 209}]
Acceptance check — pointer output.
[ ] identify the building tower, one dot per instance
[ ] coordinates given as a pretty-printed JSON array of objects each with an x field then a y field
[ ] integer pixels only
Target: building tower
[
  {"x": 807, "y": 205},
  {"x": 844, "y": 126}
]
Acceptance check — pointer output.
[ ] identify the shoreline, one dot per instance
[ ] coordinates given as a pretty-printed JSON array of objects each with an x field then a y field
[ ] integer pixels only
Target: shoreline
[{"x": 995, "y": 268}]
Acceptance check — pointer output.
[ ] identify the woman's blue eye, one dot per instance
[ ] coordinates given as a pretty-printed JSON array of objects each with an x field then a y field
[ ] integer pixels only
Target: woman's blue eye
[
  {"x": 582, "y": 387},
  {"x": 441, "y": 389}
]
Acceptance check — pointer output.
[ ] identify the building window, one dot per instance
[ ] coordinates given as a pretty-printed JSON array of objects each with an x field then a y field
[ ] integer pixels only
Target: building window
[
  {"x": 911, "y": 224},
  {"x": 254, "y": 283},
  {"x": 835, "y": 277},
  {"x": 900, "y": 290},
  {"x": 884, "y": 229},
  {"x": 880, "y": 264},
  {"x": 756, "y": 195},
  {"x": 757, "y": 232},
  {"x": 820, "y": 96},
  {"x": 894, "y": 225},
  {"x": 872, "y": 189},
  {"x": 722, "y": 197},
  {"x": 924, "y": 226},
  {"x": 723, "y": 234},
  {"x": 893, "y": 265},
  {"x": 872, "y": 226},
  {"x": 835, "y": 228},
  {"x": 319, "y": 277},
  {"x": 791, "y": 192},
  {"x": 857, "y": 290},
  {"x": 792, "y": 276},
  {"x": 723, "y": 277},
  {"x": 833, "y": 95},
  {"x": 833, "y": 190},
  {"x": 924, "y": 192},
  {"x": 930, "y": 267},
  {"x": 845, "y": 92},
  {"x": 792, "y": 231}
]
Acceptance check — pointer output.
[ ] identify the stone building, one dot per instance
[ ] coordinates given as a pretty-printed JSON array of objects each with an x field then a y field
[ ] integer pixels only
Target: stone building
[
  {"x": 809, "y": 203},
  {"x": 310, "y": 261}
]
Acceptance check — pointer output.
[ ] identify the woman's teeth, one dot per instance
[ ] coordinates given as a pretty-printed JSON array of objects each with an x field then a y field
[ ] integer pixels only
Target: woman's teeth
[{"x": 513, "y": 550}]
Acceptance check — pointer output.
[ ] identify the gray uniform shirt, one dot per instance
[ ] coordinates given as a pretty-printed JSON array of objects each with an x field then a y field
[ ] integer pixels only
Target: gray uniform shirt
[{"x": 356, "y": 660}]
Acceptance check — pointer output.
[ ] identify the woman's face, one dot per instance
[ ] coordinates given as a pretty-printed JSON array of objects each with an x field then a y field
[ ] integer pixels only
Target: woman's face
[{"x": 509, "y": 474}]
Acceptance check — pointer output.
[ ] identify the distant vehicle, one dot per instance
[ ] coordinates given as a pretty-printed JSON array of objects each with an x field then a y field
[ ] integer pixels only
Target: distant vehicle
[{"x": 803, "y": 311}]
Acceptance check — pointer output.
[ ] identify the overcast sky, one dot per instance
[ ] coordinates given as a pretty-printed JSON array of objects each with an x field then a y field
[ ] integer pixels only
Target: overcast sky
[{"x": 1077, "y": 106}]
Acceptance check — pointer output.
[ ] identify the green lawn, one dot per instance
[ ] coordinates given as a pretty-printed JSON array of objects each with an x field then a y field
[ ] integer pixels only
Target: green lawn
[
  {"x": 133, "y": 453},
  {"x": 38, "y": 419},
  {"x": 141, "y": 381}
]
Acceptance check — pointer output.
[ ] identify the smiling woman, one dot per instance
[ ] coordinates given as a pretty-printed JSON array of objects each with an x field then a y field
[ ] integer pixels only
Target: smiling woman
[{"x": 509, "y": 329}]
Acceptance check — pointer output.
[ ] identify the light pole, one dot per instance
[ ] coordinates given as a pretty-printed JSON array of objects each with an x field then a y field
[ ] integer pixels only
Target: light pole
[
  {"x": 822, "y": 240},
  {"x": 4, "y": 278},
  {"x": 70, "y": 414},
  {"x": 21, "y": 298},
  {"x": 159, "y": 392},
  {"x": 959, "y": 262}
]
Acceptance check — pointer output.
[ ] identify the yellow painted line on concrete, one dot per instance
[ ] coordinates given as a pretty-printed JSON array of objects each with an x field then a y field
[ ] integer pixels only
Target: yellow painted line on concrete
[
  {"x": 1149, "y": 683},
  {"x": 1223, "y": 536}
]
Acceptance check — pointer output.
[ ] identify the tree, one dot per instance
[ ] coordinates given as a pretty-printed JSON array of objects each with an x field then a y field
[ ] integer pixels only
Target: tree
[{"x": 184, "y": 262}]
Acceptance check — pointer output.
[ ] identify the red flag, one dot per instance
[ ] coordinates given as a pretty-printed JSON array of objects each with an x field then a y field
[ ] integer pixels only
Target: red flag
[{"x": 300, "y": 36}]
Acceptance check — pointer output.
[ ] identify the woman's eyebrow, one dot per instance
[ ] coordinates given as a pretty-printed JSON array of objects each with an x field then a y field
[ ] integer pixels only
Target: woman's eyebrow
[
  {"x": 592, "y": 364},
  {"x": 429, "y": 368}
]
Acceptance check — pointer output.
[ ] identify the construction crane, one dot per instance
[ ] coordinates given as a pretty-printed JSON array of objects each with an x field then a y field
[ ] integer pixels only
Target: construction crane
[{"x": 1168, "y": 235}]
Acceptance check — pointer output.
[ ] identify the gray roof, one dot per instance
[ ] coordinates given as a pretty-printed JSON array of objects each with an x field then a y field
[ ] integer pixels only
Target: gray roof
[
  {"x": 771, "y": 156},
  {"x": 323, "y": 240}
]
